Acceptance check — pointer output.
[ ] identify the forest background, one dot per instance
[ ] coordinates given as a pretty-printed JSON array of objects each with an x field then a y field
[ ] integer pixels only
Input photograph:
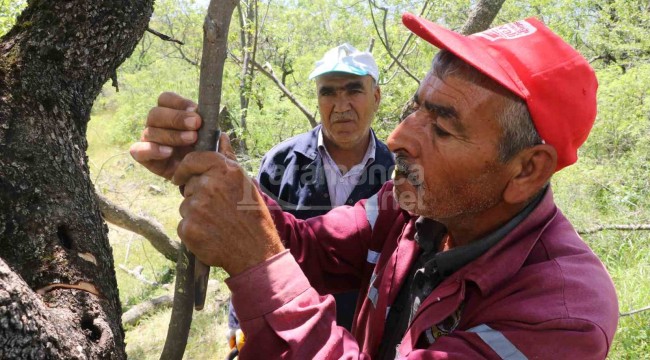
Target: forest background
[{"x": 280, "y": 40}]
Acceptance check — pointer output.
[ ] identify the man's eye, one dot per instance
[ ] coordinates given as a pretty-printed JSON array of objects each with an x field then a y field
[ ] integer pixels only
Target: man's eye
[
  {"x": 439, "y": 131},
  {"x": 444, "y": 114}
]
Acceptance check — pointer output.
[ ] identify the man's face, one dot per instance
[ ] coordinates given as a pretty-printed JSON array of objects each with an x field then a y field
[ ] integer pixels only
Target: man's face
[
  {"x": 347, "y": 105},
  {"x": 446, "y": 151}
]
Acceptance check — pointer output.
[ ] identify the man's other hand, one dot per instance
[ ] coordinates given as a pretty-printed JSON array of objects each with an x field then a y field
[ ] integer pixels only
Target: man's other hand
[{"x": 169, "y": 135}]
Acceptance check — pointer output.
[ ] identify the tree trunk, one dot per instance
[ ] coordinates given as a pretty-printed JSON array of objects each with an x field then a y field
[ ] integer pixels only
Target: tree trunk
[
  {"x": 58, "y": 293},
  {"x": 481, "y": 16}
]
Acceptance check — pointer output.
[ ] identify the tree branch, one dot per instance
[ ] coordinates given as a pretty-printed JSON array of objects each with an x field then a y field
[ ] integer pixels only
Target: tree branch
[
  {"x": 134, "y": 314},
  {"x": 191, "y": 274},
  {"x": 596, "y": 58},
  {"x": 384, "y": 41},
  {"x": 186, "y": 58},
  {"x": 620, "y": 227},
  {"x": 164, "y": 37},
  {"x": 408, "y": 39},
  {"x": 148, "y": 228},
  {"x": 182, "y": 309},
  {"x": 371, "y": 45},
  {"x": 248, "y": 41},
  {"x": 137, "y": 274},
  {"x": 634, "y": 311}
]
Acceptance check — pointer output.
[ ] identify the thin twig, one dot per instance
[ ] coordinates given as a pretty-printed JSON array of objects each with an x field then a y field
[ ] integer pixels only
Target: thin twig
[
  {"x": 186, "y": 58},
  {"x": 164, "y": 37},
  {"x": 384, "y": 41},
  {"x": 136, "y": 273},
  {"x": 371, "y": 45},
  {"x": 620, "y": 227},
  {"x": 408, "y": 39},
  {"x": 634, "y": 311}
]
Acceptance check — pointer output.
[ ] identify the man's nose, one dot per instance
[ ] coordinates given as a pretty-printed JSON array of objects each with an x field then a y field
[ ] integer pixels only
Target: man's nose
[
  {"x": 342, "y": 103},
  {"x": 404, "y": 137}
]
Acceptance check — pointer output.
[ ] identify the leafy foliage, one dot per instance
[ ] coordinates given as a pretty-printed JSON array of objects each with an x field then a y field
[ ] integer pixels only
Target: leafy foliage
[
  {"x": 619, "y": 133},
  {"x": 9, "y": 9}
]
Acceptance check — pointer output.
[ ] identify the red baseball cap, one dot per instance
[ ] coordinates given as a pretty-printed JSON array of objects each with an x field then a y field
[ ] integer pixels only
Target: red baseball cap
[{"x": 526, "y": 57}]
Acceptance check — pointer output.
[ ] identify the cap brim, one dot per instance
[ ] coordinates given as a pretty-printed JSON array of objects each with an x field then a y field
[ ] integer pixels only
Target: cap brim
[
  {"x": 341, "y": 68},
  {"x": 468, "y": 49}
]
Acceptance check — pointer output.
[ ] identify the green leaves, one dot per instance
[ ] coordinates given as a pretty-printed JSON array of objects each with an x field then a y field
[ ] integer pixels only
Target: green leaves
[{"x": 9, "y": 10}]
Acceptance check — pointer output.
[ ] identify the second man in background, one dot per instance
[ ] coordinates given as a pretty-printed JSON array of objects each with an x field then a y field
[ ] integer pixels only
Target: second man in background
[{"x": 338, "y": 162}]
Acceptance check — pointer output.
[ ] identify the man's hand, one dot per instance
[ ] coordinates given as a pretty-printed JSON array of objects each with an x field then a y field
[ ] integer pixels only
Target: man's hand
[
  {"x": 168, "y": 136},
  {"x": 225, "y": 221}
]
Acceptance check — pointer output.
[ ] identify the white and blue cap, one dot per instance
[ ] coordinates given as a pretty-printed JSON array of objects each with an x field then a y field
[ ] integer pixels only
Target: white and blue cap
[{"x": 345, "y": 58}]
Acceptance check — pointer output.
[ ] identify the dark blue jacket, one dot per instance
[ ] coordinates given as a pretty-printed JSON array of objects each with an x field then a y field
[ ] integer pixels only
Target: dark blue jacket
[{"x": 293, "y": 174}]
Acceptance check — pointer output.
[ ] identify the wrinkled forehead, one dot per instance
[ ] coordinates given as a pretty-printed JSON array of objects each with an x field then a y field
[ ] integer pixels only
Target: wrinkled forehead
[
  {"x": 459, "y": 102},
  {"x": 469, "y": 88},
  {"x": 342, "y": 79}
]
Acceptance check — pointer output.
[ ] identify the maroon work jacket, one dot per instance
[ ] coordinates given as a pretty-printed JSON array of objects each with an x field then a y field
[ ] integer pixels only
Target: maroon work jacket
[{"x": 539, "y": 293}]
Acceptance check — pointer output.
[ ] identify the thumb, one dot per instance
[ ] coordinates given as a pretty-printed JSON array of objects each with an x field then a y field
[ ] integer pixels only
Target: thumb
[{"x": 225, "y": 147}]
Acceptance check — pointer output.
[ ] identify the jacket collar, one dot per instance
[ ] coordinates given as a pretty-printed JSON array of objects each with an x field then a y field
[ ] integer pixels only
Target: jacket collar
[
  {"x": 308, "y": 146},
  {"x": 507, "y": 256}
]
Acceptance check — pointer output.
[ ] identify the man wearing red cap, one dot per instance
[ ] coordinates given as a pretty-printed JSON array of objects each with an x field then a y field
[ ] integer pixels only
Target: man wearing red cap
[{"x": 463, "y": 256}]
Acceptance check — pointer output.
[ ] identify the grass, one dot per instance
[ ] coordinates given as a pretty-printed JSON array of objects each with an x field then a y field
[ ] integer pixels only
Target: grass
[
  {"x": 627, "y": 258},
  {"x": 593, "y": 194},
  {"x": 207, "y": 338},
  {"x": 590, "y": 194}
]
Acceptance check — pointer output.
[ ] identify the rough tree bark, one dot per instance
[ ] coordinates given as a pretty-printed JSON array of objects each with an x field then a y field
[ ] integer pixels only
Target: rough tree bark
[{"x": 58, "y": 293}]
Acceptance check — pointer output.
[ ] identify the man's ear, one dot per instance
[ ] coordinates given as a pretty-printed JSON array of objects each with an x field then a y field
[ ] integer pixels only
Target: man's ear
[
  {"x": 377, "y": 97},
  {"x": 532, "y": 169}
]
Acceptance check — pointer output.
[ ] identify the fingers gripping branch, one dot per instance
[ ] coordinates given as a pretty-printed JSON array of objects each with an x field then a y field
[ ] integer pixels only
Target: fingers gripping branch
[{"x": 225, "y": 222}]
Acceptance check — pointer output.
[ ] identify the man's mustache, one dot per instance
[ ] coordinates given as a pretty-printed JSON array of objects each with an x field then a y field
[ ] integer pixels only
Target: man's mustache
[
  {"x": 412, "y": 173},
  {"x": 344, "y": 116}
]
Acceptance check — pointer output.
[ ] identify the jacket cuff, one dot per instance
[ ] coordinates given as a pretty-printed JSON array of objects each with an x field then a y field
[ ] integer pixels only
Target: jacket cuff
[{"x": 267, "y": 286}]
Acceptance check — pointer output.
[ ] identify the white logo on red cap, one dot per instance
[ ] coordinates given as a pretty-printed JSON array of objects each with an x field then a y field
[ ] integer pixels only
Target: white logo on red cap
[{"x": 508, "y": 31}]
